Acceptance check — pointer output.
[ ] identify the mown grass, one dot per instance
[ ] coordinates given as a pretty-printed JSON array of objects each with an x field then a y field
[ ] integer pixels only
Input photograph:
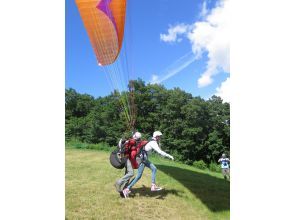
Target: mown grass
[
  {"x": 80, "y": 145},
  {"x": 189, "y": 193}
]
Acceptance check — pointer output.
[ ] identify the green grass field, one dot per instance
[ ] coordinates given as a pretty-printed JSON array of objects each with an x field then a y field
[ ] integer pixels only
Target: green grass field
[{"x": 188, "y": 193}]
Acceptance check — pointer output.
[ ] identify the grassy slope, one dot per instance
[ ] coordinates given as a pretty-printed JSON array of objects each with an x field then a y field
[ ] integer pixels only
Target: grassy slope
[{"x": 188, "y": 193}]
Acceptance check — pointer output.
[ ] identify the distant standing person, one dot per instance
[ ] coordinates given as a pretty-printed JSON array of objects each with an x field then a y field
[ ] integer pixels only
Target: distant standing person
[{"x": 225, "y": 166}]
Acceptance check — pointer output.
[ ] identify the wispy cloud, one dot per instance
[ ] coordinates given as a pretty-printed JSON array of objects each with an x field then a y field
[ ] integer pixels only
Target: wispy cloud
[
  {"x": 174, "y": 68},
  {"x": 204, "y": 10},
  {"x": 210, "y": 35},
  {"x": 174, "y": 32}
]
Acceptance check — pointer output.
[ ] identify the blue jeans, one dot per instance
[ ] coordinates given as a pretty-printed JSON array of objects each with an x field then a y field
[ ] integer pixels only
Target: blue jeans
[{"x": 140, "y": 172}]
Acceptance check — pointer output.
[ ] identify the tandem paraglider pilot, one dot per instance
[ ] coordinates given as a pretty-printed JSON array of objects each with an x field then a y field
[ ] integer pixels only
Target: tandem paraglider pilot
[{"x": 142, "y": 160}]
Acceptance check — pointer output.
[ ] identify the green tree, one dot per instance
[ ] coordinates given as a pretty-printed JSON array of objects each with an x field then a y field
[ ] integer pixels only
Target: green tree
[{"x": 194, "y": 129}]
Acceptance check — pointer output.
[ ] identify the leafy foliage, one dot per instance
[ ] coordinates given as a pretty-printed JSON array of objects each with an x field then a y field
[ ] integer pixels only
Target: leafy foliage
[
  {"x": 200, "y": 164},
  {"x": 194, "y": 129},
  {"x": 214, "y": 167}
]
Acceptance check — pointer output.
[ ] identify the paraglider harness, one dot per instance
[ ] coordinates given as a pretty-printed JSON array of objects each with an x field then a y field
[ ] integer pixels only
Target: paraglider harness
[
  {"x": 118, "y": 157},
  {"x": 142, "y": 155}
]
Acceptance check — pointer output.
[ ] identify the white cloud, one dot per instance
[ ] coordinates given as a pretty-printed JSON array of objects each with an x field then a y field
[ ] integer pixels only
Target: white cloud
[
  {"x": 204, "y": 10},
  {"x": 210, "y": 35},
  {"x": 204, "y": 80},
  {"x": 224, "y": 91},
  {"x": 174, "y": 33},
  {"x": 154, "y": 79}
]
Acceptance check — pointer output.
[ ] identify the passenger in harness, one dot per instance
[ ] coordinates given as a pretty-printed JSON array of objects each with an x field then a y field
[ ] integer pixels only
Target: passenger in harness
[
  {"x": 130, "y": 150},
  {"x": 142, "y": 160}
]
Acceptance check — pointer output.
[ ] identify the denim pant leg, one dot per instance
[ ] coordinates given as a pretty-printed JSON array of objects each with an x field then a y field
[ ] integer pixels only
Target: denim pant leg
[
  {"x": 153, "y": 169},
  {"x": 139, "y": 175}
]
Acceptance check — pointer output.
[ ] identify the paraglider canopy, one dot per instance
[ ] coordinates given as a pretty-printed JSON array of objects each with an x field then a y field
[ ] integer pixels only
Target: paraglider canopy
[{"x": 104, "y": 21}]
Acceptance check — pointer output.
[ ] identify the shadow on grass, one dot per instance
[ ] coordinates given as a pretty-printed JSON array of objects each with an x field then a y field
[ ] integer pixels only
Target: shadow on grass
[
  {"x": 213, "y": 192},
  {"x": 146, "y": 192}
]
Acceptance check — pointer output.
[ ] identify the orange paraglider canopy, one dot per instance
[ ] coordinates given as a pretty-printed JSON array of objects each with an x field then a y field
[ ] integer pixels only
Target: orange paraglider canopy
[{"x": 104, "y": 21}]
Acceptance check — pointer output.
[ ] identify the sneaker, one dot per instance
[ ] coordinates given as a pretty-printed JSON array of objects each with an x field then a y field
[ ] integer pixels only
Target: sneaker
[
  {"x": 126, "y": 192},
  {"x": 155, "y": 188}
]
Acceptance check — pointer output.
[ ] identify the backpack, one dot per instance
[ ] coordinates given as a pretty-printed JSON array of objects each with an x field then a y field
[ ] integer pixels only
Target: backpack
[
  {"x": 117, "y": 160},
  {"x": 117, "y": 157}
]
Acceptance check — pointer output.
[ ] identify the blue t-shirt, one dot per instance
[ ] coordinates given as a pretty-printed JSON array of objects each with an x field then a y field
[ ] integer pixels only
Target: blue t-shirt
[{"x": 224, "y": 162}]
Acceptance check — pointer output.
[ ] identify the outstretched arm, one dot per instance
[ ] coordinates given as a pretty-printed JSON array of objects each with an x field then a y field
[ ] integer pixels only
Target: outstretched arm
[{"x": 161, "y": 152}]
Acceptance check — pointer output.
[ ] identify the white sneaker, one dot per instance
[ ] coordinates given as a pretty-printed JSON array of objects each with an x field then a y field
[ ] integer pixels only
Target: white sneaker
[
  {"x": 155, "y": 188},
  {"x": 126, "y": 192}
]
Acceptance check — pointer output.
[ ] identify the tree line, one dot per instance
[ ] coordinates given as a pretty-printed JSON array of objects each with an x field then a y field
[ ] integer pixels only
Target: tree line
[{"x": 194, "y": 129}]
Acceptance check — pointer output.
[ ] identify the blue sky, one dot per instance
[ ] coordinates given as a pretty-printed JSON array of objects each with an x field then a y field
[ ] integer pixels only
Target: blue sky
[{"x": 167, "y": 43}]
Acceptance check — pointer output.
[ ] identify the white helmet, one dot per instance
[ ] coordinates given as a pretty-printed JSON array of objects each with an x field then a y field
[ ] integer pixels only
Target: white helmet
[
  {"x": 156, "y": 134},
  {"x": 137, "y": 135}
]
